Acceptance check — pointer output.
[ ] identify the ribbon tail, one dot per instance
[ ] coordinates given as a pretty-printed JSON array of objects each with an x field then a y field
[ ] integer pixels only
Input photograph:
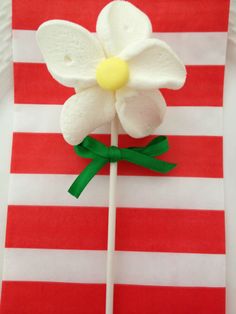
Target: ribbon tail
[
  {"x": 86, "y": 176},
  {"x": 147, "y": 161}
]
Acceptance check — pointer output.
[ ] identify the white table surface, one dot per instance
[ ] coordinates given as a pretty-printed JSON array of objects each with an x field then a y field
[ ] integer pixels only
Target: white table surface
[{"x": 6, "y": 122}]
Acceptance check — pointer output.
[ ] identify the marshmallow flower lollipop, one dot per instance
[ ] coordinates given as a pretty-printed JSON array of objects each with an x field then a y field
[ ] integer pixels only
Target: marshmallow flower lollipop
[{"x": 118, "y": 70}]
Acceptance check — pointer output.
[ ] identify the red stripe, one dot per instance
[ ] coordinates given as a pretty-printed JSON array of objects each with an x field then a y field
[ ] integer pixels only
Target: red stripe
[
  {"x": 196, "y": 156},
  {"x": 34, "y": 85},
  {"x": 186, "y": 15},
  {"x": 166, "y": 230},
  {"x": 168, "y": 300},
  {"x": 70, "y": 298},
  {"x": 204, "y": 87},
  {"x": 138, "y": 229},
  {"x": 52, "y": 298},
  {"x": 29, "y": 14},
  {"x": 166, "y": 16}
]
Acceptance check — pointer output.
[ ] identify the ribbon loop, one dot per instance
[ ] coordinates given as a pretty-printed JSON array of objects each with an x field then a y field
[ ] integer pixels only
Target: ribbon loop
[{"x": 101, "y": 155}]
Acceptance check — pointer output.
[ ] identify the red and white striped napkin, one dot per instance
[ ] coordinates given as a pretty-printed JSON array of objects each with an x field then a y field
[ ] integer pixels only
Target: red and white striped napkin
[{"x": 170, "y": 237}]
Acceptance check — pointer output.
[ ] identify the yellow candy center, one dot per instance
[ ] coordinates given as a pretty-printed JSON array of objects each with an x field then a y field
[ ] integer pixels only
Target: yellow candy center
[{"x": 112, "y": 73}]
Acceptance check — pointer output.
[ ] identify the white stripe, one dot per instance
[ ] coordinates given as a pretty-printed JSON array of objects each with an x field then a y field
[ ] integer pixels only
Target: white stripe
[
  {"x": 132, "y": 191},
  {"x": 178, "y": 120},
  {"x": 193, "y": 48},
  {"x": 141, "y": 268},
  {"x": 198, "y": 48}
]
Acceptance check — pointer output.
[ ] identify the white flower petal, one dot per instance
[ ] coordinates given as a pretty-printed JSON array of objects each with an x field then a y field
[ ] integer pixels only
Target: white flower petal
[
  {"x": 140, "y": 112},
  {"x": 84, "y": 112},
  {"x": 70, "y": 51},
  {"x": 153, "y": 64},
  {"x": 121, "y": 23}
]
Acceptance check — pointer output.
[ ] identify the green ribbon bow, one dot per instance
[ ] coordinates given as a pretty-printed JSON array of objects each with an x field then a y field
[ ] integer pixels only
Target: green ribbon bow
[{"x": 101, "y": 155}]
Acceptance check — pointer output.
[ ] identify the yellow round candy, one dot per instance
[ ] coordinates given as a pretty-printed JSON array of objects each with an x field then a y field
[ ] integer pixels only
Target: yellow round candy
[{"x": 112, "y": 73}]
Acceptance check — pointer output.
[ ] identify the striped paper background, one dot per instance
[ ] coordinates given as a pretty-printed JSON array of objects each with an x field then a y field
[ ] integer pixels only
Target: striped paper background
[{"x": 170, "y": 239}]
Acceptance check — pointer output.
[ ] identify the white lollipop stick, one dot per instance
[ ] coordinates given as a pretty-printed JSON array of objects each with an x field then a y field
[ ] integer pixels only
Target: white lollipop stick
[{"x": 111, "y": 223}]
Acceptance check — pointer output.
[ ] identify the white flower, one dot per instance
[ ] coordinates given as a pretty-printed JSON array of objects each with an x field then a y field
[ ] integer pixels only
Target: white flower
[{"x": 118, "y": 71}]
